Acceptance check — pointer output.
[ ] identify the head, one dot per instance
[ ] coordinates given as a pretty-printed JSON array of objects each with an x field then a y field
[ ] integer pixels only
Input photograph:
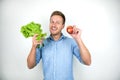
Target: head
[{"x": 57, "y": 22}]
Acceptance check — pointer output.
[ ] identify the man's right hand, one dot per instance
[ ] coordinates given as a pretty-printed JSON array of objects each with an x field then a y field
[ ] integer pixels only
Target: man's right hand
[{"x": 36, "y": 42}]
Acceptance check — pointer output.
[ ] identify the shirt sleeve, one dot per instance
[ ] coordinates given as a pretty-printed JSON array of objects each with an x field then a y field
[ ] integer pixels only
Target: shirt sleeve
[
  {"x": 38, "y": 55},
  {"x": 76, "y": 52}
]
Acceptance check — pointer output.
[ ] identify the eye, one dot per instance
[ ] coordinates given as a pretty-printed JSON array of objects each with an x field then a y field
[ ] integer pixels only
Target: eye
[
  {"x": 51, "y": 21},
  {"x": 57, "y": 22}
]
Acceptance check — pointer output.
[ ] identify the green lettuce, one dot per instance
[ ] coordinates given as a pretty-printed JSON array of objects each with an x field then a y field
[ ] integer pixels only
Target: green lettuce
[{"x": 30, "y": 29}]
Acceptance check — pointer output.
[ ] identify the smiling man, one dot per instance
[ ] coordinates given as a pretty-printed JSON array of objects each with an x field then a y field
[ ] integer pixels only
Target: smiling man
[{"x": 58, "y": 50}]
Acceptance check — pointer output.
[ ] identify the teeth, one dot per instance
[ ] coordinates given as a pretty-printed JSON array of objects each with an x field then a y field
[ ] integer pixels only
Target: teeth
[{"x": 54, "y": 28}]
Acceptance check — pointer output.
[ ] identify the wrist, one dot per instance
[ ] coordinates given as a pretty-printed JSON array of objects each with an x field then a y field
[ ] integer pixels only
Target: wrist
[
  {"x": 77, "y": 38},
  {"x": 34, "y": 46}
]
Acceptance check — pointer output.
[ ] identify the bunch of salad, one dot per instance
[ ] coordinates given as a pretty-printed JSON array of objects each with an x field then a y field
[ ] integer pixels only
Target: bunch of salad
[{"x": 30, "y": 29}]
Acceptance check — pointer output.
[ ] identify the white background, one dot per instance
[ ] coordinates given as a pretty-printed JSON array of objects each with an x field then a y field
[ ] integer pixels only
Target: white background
[{"x": 98, "y": 19}]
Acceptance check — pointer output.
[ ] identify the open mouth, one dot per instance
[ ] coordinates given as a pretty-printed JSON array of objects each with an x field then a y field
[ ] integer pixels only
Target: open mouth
[{"x": 54, "y": 28}]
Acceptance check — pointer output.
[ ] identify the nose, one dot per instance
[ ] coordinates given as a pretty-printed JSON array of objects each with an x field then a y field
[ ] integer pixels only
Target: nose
[{"x": 53, "y": 24}]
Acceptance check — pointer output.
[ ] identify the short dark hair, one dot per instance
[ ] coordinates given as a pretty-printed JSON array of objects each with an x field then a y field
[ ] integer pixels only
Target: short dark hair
[{"x": 60, "y": 14}]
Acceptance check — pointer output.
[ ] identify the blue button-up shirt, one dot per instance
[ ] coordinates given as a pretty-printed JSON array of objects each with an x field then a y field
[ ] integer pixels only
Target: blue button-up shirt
[{"x": 57, "y": 58}]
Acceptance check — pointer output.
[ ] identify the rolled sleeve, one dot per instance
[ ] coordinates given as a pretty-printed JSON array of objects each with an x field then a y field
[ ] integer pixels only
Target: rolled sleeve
[
  {"x": 38, "y": 55},
  {"x": 76, "y": 52}
]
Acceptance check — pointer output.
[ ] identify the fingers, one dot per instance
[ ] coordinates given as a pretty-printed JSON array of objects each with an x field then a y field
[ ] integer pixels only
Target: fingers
[
  {"x": 36, "y": 42},
  {"x": 34, "y": 37},
  {"x": 76, "y": 30}
]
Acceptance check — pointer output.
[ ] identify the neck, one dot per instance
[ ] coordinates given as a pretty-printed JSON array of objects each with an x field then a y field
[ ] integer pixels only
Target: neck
[{"x": 56, "y": 37}]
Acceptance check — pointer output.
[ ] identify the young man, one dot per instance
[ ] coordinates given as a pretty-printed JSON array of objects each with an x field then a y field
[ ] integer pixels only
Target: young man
[{"x": 58, "y": 50}]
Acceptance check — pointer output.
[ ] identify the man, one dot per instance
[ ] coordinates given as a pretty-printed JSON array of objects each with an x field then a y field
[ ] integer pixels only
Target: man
[{"x": 58, "y": 50}]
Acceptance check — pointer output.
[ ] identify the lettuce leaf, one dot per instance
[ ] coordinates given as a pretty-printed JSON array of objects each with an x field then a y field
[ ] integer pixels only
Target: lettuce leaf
[{"x": 30, "y": 29}]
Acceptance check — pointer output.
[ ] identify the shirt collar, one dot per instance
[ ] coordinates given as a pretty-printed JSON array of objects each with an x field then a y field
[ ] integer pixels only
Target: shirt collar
[{"x": 51, "y": 38}]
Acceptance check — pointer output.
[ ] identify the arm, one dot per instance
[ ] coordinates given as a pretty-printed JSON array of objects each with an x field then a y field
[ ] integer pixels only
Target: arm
[
  {"x": 84, "y": 52},
  {"x": 31, "y": 59}
]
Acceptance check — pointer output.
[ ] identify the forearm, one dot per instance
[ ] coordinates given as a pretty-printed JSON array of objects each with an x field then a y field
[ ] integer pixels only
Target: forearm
[
  {"x": 31, "y": 60},
  {"x": 84, "y": 52}
]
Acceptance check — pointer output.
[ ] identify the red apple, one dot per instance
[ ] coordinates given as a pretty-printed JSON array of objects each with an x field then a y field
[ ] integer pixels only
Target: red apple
[{"x": 70, "y": 29}]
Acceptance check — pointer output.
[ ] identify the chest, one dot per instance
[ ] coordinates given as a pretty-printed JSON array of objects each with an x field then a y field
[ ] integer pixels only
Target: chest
[{"x": 57, "y": 50}]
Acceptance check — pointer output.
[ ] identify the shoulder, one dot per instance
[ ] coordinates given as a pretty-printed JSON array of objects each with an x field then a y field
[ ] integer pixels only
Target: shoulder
[{"x": 69, "y": 40}]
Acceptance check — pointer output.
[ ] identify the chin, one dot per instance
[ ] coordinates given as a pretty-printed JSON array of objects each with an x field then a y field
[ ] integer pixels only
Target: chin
[{"x": 53, "y": 32}]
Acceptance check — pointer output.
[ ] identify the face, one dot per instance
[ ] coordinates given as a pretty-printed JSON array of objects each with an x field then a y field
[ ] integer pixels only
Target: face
[{"x": 56, "y": 24}]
